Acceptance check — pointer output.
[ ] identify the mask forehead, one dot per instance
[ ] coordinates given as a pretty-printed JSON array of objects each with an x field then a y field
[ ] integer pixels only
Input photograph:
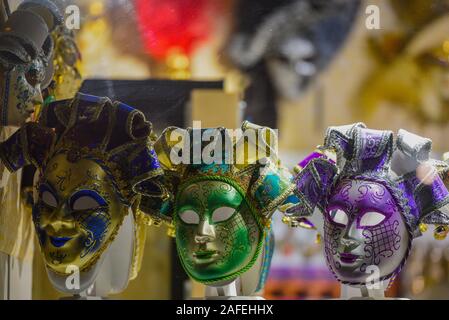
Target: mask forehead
[
  {"x": 359, "y": 196},
  {"x": 205, "y": 196},
  {"x": 65, "y": 177}
]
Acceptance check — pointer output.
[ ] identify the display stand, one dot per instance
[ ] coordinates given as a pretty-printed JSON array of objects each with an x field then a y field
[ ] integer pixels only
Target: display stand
[
  {"x": 364, "y": 293},
  {"x": 110, "y": 275},
  {"x": 230, "y": 291}
]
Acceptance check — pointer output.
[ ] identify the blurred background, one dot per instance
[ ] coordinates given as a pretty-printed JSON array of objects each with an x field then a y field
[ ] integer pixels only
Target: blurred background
[{"x": 295, "y": 65}]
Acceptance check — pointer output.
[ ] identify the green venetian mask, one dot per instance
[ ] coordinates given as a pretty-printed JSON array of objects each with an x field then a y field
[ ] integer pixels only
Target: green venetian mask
[{"x": 217, "y": 235}]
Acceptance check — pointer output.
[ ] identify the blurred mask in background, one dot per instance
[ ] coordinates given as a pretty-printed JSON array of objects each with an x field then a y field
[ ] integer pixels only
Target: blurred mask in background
[
  {"x": 26, "y": 49},
  {"x": 67, "y": 63},
  {"x": 282, "y": 46}
]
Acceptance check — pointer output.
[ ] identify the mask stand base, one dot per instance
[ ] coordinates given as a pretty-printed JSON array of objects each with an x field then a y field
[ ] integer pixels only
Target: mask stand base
[
  {"x": 363, "y": 293},
  {"x": 84, "y": 296},
  {"x": 228, "y": 292}
]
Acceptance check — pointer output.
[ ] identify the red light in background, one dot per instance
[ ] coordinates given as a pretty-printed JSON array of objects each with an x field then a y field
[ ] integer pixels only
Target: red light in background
[{"x": 175, "y": 24}]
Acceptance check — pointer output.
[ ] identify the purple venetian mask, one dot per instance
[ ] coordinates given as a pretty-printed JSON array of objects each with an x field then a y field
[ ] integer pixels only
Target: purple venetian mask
[
  {"x": 372, "y": 199},
  {"x": 364, "y": 227}
]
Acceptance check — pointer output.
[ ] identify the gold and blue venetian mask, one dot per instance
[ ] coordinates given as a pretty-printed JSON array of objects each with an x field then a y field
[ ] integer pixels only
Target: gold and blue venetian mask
[
  {"x": 77, "y": 213},
  {"x": 95, "y": 160}
]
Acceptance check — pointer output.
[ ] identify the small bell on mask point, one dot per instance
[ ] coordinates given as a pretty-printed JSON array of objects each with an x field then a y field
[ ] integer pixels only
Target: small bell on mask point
[
  {"x": 318, "y": 238},
  {"x": 286, "y": 220},
  {"x": 156, "y": 222},
  {"x": 267, "y": 223},
  {"x": 142, "y": 218},
  {"x": 297, "y": 169},
  {"x": 171, "y": 232},
  {"x": 441, "y": 232},
  {"x": 423, "y": 227},
  {"x": 446, "y": 156},
  {"x": 291, "y": 222}
]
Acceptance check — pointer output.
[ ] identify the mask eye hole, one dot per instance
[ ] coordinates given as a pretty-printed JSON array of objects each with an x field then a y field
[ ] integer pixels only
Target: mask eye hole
[
  {"x": 34, "y": 75},
  {"x": 47, "y": 196},
  {"x": 189, "y": 217},
  {"x": 49, "y": 199},
  {"x": 222, "y": 214},
  {"x": 85, "y": 203},
  {"x": 338, "y": 216},
  {"x": 371, "y": 219},
  {"x": 86, "y": 199}
]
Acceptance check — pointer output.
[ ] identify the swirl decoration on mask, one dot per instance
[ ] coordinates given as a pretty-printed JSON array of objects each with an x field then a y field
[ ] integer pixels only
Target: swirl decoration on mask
[
  {"x": 221, "y": 207},
  {"x": 373, "y": 193},
  {"x": 96, "y": 160}
]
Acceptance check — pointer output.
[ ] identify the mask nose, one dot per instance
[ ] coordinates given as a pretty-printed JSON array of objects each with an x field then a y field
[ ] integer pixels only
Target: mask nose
[
  {"x": 203, "y": 239},
  {"x": 350, "y": 243},
  {"x": 58, "y": 221},
  {"x": 206, "y": 233},
  {"x": 347, "y": 242}
]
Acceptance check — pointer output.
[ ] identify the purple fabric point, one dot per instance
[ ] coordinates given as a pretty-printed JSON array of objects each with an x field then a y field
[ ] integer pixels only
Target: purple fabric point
[{"x": 310, "y": 157}]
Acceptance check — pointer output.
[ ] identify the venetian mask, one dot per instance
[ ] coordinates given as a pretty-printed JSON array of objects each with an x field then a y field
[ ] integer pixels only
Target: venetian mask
[
  {"x": 221, "y": 210},
  {"x": 373, "y": 193},
  {"x": 217, "y": 235},
  {"x": 93, "y": 170},
  {"x": 21, "y": 92},
  {"x": 25, "y": 59},
  {"x": 77, "y": 213},
  {"x": 293, "y": 40},
  {"x": 364, "y": 227}
]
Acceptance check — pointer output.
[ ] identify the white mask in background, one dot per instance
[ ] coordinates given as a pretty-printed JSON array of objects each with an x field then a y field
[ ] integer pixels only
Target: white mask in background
[{"x": 26, "y": 64}]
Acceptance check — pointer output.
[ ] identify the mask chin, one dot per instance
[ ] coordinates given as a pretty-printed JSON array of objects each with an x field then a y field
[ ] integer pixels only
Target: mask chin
[{"x": 112, "y": 271}]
